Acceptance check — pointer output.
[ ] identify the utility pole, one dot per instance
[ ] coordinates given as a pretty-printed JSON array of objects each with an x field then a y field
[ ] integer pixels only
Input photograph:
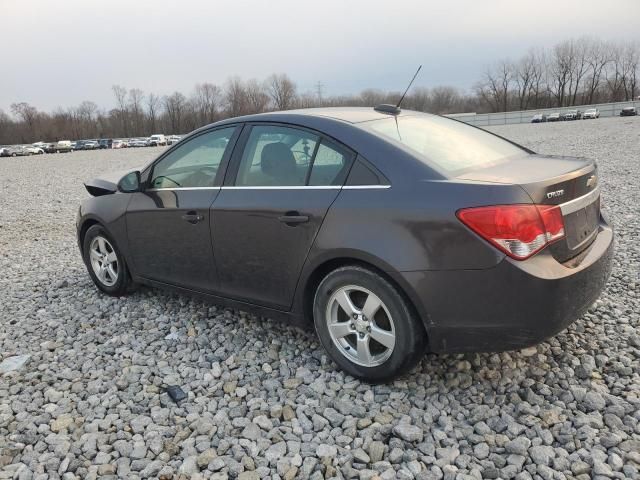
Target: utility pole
[{"x": 319, "y": 88}]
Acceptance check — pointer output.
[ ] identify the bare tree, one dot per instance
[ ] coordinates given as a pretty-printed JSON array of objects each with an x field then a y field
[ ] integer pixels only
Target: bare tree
[
  {"x": 257, "y": 98},
  {"x": 630, "y": 63},
  {"x": 579, "y": 66},
  {"x": 560, "y": 69},
  {"x": 235, "y": 97},
  {"x": 372, "y": 97},
  {"x": 419, "y": 99},
  {"x": 123, "y": 112},
  {"x": 207, "y": 100},
  {"x": 494, "y": 87},
  {"x": 86, "y": 116},
  {"x": 153, "y": 104},
  {"x": 174, "y": 105},
  {"x": 443, "y": 99},
  {"x": 136, "y": 97},
  {"x": 598, "y": 56},
  {"x": 615, "y": 74},
  {"x": 28, "y": 114},
  {"x": 282, "y": 91}
]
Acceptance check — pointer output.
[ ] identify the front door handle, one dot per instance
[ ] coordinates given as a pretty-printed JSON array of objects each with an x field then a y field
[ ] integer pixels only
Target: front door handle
[
  {"x": 293, "y": 218},
  {"x": 192, "y": 217}
]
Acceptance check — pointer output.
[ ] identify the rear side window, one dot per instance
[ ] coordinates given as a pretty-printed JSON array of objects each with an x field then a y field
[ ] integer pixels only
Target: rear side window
[
  {"x": 278, "y": 156},
  {"x": 450, "y": 145},
  {"x": 330, "y": 165}
]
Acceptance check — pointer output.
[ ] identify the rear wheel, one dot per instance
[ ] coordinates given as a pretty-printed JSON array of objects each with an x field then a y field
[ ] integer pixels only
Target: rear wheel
[
  {"x": 366, "y": 325},
  {"x": 105, "y": 264}
]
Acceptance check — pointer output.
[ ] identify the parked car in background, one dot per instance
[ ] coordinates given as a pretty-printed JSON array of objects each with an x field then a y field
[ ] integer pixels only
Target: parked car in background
[
  {"x": 119, "y": 144},
  {"x": 4, "y": 152},
  {"x": 17, "y": 151},
  {"x": 591, "y": 113},
  {"x": 319, "y": 216},
  {"x": 105, "y": 143},
  {"x": 64, "y": 146},
  {"x": 173, "y": 139},
  {"x": 157, "y": 140},
  {"x": 33, "y": 150},
  {"x": 539, "y": 118},
  {"x": 138, "y": 142},
  {"x": 91, "y": 145},
  {"x": 554, "y": 117},
  {"x": 49, "y": 148},
  {"x": 572, "y": 115},
  {"x": 628, "y": 112}
]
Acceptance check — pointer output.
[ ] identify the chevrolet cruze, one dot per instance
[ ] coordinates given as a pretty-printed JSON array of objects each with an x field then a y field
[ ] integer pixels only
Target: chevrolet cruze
[{"x": 393, "y": 232}]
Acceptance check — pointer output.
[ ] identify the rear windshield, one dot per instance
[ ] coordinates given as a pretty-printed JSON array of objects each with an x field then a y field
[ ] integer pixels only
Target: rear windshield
[{"x": 449, "y": 145}]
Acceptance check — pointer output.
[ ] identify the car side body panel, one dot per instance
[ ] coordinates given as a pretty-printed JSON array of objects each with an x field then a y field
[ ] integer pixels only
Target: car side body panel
[{"x": 110, "y": 212}]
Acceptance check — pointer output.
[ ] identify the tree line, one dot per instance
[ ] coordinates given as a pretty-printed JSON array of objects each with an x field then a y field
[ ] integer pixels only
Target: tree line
[{"x": 573, "y": 72}]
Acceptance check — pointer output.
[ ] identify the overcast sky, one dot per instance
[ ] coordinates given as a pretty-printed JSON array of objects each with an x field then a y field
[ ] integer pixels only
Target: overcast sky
[{"x": 61, "y": 52}]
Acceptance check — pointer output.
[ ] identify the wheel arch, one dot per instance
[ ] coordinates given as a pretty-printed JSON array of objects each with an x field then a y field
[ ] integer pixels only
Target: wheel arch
[
  {"x": 321, "y": 269},
  {"x": 87, "y": 223}
]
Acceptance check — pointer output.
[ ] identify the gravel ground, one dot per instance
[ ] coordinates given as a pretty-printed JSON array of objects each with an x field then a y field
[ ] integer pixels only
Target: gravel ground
[{"x": 263, "y": 398}]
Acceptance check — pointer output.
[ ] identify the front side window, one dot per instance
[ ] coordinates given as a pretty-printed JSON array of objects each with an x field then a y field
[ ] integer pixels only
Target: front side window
[
  {"x": 194, "y": 163},
  {"x": 450, "y": 145}
]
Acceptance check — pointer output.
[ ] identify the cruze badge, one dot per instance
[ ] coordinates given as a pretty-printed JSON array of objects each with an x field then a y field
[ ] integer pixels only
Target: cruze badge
[
  {"x": 591, "y": 181},
  {"x": 556, "y": 194}
]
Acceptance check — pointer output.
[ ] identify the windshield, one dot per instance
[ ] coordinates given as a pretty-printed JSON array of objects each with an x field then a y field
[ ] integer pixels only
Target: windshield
[{"x": 450, "y": 145}]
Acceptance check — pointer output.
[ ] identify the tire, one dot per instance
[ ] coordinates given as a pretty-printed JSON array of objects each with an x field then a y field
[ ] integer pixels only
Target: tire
[
  {"x": 115, "y": 285},
  {"x": 393, "y": 319}
]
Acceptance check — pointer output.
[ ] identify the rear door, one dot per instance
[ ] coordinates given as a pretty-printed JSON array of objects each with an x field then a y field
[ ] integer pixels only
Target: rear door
[
  {"x": 276, "y": 194},
  {"x": 168, "y": 223}
]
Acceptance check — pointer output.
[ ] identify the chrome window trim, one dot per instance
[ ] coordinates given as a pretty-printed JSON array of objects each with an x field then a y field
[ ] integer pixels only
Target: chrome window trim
[
  {"x": 580, "y": 202},
  {"x": 258, "y": 187},
  {"x": 171, "y": 189},
  {"x": 304, "y": 187},
  {"x": 290, "y": 187}
]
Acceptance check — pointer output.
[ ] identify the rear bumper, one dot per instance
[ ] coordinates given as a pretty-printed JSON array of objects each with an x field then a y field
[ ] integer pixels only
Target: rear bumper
[{"x": 513, "y": 305}]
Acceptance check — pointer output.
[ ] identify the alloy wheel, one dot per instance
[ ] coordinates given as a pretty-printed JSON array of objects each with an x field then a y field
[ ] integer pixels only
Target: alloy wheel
[
  {"x": 104, "y": 261},
  {"x": 360, "y": 326}
]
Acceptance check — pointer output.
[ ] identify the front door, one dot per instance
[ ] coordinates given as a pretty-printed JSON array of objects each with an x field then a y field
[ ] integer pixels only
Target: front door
[
  {"x": 168, "y": 223},
  {"x": 266, "y": 218}
]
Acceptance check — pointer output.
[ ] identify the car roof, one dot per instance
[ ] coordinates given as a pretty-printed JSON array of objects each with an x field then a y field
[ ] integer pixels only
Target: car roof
[{"x": 344, "y": 114}]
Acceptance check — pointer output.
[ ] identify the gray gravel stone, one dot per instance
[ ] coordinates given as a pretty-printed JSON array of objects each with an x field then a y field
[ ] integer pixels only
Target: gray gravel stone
[{"x": 410, "y": 433}]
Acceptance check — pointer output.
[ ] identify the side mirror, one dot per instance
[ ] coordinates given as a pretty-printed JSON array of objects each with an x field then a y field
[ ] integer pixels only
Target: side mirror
[{"x": 130, "y": 183}]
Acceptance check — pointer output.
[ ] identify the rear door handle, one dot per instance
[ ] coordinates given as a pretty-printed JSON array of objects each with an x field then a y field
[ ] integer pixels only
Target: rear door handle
[
  {"x": 192, "y": 217},
  {"x": 293, "y": 218}
]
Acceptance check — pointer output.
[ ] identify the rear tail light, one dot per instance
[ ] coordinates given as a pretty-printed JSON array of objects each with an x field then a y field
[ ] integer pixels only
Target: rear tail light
[{"x": 520, "y": 231}]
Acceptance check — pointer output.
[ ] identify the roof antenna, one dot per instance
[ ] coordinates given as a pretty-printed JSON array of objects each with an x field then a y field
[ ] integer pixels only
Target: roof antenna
[{"x": 395, "y": 109}]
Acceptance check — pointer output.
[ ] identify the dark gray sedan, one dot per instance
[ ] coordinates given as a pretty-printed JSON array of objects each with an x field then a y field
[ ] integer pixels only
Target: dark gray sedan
[{"x": 395, "y": 233}]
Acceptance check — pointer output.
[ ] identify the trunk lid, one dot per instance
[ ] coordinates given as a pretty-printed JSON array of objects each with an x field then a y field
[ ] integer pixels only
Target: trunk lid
[{"x": 569, "y": 182}]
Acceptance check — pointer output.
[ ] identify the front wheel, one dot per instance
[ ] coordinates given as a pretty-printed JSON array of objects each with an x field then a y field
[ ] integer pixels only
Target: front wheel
[
  {"x": 105, "y": 264},
  {"x": 366, "y": 325}
]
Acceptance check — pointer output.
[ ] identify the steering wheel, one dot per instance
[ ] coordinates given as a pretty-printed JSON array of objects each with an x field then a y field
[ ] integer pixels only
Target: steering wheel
[{"x": 167, "y": 178}]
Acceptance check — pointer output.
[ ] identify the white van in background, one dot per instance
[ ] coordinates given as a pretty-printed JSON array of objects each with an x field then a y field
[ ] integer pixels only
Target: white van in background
[
  {"x": 157, "y": 140},
  {"x": 64, "y": 146}
]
